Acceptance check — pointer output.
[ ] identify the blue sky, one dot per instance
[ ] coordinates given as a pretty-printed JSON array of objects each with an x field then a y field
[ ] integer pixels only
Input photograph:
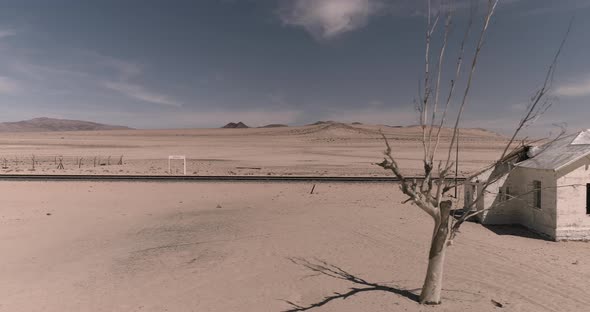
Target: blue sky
[{"x": 172, "y": 64}]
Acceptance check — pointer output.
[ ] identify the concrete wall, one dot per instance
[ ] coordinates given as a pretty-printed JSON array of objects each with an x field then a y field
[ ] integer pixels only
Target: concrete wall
[
  {"x": 541, "y": 220},
  {"x": 501, "y": 214},
  {"x": 572, "y": 221},
  {"x": 521, "y": 210}
]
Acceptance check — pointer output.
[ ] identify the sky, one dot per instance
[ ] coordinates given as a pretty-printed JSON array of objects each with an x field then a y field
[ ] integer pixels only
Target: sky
[{"x": 204, "y": 63}]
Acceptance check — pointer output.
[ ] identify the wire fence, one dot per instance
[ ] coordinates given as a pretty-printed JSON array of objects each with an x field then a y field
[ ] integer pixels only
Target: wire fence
[{"x": 34, "y": 161}]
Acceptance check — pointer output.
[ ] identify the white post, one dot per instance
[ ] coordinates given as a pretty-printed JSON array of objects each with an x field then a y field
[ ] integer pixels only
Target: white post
[{"x": 179, "y": 157}]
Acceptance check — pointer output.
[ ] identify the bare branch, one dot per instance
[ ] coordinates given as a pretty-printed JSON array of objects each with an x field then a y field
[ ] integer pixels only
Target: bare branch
[
  {"x": 453, "y": 82},
  {"x": 422, "y": 200},
  {"x": 441, "y": 56},
  {"x": 491, "y": 9},
  {"x": 534, "y": 110},
  {"x": 427, "y": 90}
]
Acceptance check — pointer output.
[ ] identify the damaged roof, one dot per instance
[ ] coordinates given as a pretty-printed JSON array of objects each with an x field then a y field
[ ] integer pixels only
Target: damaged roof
[{"x": 560, "y": 153}]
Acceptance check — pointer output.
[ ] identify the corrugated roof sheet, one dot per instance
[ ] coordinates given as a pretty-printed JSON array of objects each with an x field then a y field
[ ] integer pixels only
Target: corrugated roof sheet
[
  {"x": 582, "y": 138},
  {"x": 557, "y": 154}
]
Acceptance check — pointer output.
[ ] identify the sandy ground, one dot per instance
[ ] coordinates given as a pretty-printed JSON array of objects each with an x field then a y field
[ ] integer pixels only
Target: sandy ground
[
  {"x": 227, "y": 247},
  {"x": 336, "y": 149}
]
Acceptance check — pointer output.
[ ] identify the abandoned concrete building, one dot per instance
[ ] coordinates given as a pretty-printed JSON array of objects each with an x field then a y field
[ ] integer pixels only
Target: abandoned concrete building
[{"x": 546, "y": 189}]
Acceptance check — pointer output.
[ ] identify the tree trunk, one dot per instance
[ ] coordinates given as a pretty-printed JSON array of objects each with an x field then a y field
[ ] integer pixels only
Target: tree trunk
[{"x": 432, "y": 288}]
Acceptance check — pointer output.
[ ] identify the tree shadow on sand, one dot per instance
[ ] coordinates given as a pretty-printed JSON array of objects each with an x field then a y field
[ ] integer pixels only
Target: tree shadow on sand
[{"x": 324, "y": 268}]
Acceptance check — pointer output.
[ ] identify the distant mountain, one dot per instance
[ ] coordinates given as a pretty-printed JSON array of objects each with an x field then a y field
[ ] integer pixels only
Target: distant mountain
[
  {"x": 45, "y": 124},
  {"x": 322, "y": 122},
  {"x": 274, "y": 126},
  {"x": 233, "y": 125}
]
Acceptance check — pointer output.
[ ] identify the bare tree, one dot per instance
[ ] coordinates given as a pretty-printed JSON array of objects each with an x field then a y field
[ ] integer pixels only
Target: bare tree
[{"x": 430, "y": 193}]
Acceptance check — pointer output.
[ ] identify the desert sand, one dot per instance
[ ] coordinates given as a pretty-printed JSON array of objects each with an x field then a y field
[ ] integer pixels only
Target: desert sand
[
  {"x": 325, "y": 149},
  {"x": 119, "y": 246},
  {"x": 227, "y": 247}
]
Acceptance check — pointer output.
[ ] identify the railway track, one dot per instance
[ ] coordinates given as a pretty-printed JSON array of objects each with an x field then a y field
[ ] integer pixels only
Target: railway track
[{"x": 175, "y": 178}]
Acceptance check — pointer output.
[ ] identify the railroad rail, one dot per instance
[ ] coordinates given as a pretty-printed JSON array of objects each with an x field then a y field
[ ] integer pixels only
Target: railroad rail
[{"x": 176, "y": 178}]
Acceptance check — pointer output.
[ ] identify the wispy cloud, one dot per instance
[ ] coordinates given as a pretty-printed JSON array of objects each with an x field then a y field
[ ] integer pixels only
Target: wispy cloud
[
  {"x": 6, "y": 33},
  {"x": 326, "y": 19},
  {"x": 8, "y": 85},
  {"x": 44, "y": 73},
  {"x": 126, "y": 74},
  {"x": 125, "y": 70},
  {"x": 575, "y": 89},
  {"x": 139, "y": 92},
  {"x": 97, "y": 70}
]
